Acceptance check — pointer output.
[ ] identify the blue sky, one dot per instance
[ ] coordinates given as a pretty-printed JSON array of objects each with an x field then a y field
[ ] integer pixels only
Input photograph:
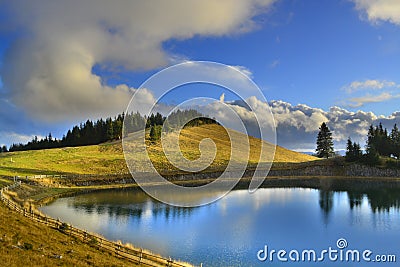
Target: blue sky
[{"x": 64, "y": 62}]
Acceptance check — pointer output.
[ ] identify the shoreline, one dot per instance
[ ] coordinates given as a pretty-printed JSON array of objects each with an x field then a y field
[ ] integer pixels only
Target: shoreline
[
  {"x": 314, "y": 182},
  {"x": 334, "y": 183},
  {"x": 127, "y": 251}
]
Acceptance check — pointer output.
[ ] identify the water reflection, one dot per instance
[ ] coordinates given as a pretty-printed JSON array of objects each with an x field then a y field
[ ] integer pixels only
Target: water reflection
[
  {"x": 326, "y": 203},
  {"x": 132, "y": 202},
  {"x": 230, "y": 231},
  {"x": 355, "y": 198},
  {"x": 125, "y": 203}
]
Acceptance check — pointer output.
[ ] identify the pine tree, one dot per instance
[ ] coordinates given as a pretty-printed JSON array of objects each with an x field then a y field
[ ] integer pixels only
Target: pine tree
[
  {"x": 109, "y": 129},
  {"x": 324, "y": 142},
  {"x": 395, "y": 142},
  {"x": 353, "y": 151},
  {"x": 349, "y": 150},
  {"x": 371, "y": 140},
  {"x": 153, "y": 137},
  {"x": 357, "y": 151}
]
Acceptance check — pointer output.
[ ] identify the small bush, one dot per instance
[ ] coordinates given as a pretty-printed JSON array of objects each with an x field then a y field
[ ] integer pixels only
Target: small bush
[
  {"x": 93, "y": 241},
  {"x": 28, "y": 246},
  {"x": 64, "y": 226}
]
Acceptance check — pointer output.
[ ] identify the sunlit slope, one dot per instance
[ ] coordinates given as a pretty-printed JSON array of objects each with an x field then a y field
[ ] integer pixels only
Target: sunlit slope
[{"x": 109, "y": 159}]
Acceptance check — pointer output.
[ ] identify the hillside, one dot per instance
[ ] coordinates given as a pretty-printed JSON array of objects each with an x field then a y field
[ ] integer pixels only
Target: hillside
[
  {"x": 25, "y": 243},
  {"x": 108, "y": 158}
]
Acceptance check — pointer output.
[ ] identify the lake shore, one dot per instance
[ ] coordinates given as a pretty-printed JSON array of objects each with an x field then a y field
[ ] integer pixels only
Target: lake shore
[
  {"x": 40, "y": 194},
  {"x": 36, "y": 194}
]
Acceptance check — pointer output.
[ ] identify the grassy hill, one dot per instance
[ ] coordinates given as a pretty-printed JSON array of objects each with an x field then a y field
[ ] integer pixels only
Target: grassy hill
[
  {"x": 24, "y": 243},
  {"x": 108, "y": 158}
]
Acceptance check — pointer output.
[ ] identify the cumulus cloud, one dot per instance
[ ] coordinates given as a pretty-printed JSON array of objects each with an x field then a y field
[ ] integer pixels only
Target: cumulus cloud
[
  {"x": 304, "y": 127},
  {"x": 48, "y": 70},
  {"x": 380, "y": 10},
  {"x": 297, "y": 125}
]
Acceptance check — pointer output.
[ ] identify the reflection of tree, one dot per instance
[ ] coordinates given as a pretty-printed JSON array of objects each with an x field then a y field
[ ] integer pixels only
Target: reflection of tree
[
  {"x": 355, "y": 198},
  {"x": 160, "y": 209},
  {"x": 384, "y": 199},
  {"x": 326, "y": 203},
  {"x": 380, "y": 199},
  {"x": 111, "y": 210},
  {"x": 326, "y": 200}
]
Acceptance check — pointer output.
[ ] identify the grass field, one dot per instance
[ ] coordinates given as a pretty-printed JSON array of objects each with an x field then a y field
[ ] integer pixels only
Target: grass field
[
  {"x": 25, "y": 243},
  {"x": 108, "y": 158}
]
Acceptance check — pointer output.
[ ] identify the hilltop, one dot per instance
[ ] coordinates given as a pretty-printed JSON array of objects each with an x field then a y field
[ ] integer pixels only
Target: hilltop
[{"x": 108, "y": 158}]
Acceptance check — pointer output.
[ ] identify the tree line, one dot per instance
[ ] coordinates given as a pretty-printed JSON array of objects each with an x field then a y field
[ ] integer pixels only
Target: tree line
[
  {"x": 109, "y": 129},
  {"x": 176, "y": 119},
  {"x": 380, "y": 143}
]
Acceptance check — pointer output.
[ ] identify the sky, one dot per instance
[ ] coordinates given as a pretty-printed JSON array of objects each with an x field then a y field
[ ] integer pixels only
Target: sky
[{"x": 334, "y": 61}]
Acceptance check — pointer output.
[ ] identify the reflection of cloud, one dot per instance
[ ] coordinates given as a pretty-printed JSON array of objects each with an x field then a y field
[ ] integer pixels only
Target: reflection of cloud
[
  {"x": 264, "y": 197},
  {"x": 49, "y": 69}
]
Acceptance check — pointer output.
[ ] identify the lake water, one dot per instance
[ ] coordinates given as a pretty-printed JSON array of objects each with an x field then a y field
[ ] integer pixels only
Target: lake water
[{"x": 232, "y": 231}]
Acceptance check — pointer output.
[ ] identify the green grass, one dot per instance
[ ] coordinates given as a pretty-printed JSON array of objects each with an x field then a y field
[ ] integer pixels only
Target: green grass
[
  {"x": 95, "y": 159},
  {"x": 109, "y": 159}
]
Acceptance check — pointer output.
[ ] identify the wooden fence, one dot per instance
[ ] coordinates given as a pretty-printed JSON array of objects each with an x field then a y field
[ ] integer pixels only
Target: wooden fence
[{"x": 136, "y": 255}]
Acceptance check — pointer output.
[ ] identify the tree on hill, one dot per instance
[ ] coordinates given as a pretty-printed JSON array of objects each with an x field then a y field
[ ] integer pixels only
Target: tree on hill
[
  {"x": 155, "y": 133},
  {"x": 395, "y": 141},
  {"x": 103, "y": 130},
  {"x": 3, "y": 149},
  {"x": 324, "y": 142},
  {"x": 380, "y": 143},
  {"x": 353, "y": 151}
]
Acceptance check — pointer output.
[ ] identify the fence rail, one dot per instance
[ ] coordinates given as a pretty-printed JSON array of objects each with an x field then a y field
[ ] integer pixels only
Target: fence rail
[{"x": 136, "y": 255}]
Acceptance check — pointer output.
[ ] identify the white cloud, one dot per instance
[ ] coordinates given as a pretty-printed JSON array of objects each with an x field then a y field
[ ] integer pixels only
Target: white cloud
[
  {"x": 48, "y": 71},
  {"x": 380, "y": 10},
  {"x": 244, "y": 70},
  {"x": 301, "y": 116},
  {"x": 364, "y": 92},
  {"x": 16, "y": 138},
  {"x": 297, "y": 126},
  {"x": 222, "y": 98},
  {"x": 369, "y": 85},
  {"x": 368, "y": 98}
]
